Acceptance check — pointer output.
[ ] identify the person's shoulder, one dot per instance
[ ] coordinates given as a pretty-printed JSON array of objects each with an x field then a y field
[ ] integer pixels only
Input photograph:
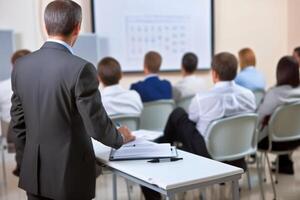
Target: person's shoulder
[
  {"x": 242, "y": 89},
  {"x": 166, "y": 82},
  {"x": 206, "y": 94},
  {"x": 137, "y": 84}
]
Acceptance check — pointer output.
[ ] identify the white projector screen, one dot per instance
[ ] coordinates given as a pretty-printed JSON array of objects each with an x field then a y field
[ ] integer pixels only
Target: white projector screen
[{"x": 127, "y": 29}]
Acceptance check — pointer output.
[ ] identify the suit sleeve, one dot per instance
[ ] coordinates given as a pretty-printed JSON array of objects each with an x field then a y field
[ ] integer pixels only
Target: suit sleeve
[
  {"x": 88, "y": 101},
  {"x": 17, "y": 124}
]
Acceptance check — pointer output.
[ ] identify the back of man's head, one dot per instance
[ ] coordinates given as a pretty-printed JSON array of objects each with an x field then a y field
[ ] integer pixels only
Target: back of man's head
[
  {"x": 61, "y": 17},
  {"x": 152, "y": 61},
  {"x": 109, "y": 71},
  {"x": 225, "y": 65},
  {"x": 18, "y": 54},
  {"x": 189, "y": 62}
]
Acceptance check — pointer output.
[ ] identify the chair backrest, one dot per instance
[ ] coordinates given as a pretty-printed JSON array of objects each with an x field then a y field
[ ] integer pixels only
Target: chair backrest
[
  {"x": 232, "y": 138},
  {"x": 284, "y": 124},
  {"x": 185, "y": 102},
  {"x": 259, "y": 95},
  {"x": 155, "y": 114},
  {"x": 130, "y": 120}
]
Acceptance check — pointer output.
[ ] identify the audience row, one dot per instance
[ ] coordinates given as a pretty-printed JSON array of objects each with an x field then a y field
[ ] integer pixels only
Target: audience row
[{"x": 232, "y": 94}]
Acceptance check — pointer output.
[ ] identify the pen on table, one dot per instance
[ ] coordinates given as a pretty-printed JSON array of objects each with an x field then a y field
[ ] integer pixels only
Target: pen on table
[{"x": 156, "y": 160}]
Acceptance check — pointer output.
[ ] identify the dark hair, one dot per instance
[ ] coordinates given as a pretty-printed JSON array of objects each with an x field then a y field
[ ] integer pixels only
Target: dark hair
[
  {"x": 153, "y": 61},
  {"x": 18, "y": 54},
  {"x": 225, "y": 65},
  {"x": 287, "y": 72},
  {"x": 61, "y": 17},
  {"x": 189, "y": 62},
  {"x": 297, "y": 50},
  {"x": 109, "y": 71}
]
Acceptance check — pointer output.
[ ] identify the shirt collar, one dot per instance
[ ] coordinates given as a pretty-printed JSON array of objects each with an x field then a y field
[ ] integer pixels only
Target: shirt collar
[
  {"x": 151, "y": 76},
  {"x": 62, "y": 43},
  {"x": 192, "y": 76},
  {"x": 224, "y": 84},
  {"x": 248, "y": 68},
  {"x": 112, "y": 89}
]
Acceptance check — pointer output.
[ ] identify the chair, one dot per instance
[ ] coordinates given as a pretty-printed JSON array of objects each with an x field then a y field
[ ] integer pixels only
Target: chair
[
  {"x": 234, "y": 138},
  {"x": 185, "y": 102},
  {"x": 4, "y": 129},
  {"x": 283, "y": 126},
  {"x": 132, "y": 121},
  {"x": 259, "y": 95},
  {"x": 155, "y": 114}
]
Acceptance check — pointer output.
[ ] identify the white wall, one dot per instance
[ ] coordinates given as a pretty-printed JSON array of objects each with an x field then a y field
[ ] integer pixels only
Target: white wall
[{"x": 260, "y": 24}]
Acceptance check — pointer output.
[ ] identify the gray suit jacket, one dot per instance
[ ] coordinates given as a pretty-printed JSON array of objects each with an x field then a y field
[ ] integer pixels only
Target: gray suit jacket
[{"x": 56, "y": 108}]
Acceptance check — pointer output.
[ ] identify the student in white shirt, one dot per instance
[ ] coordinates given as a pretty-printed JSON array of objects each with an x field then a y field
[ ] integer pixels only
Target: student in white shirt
[
  {"x": 115, "y": 99},
  {"x": 223, "y": 100},
  {"x": 190, "y": 84},
  {"x": 6, "y": 91},
  {"x": 286, "y": 91},
  {"x": 5, "y": 104}
]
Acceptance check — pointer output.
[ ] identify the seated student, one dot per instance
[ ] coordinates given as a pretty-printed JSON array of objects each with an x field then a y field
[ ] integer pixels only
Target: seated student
[
  {"x": 286, "y": 91},
  {"x": 5, "y": 104},
  {"x": 190, "y": 84},
  {"x": 296, "y": 54},
  {"x": 152, "y": 88},
  {"x": 249, "y": 77},
  {"x": 115, "y": 99},
  {"x": 224, "y": 99}
]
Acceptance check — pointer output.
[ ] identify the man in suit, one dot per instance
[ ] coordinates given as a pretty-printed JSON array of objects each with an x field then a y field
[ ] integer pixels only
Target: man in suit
[
  {"x": 56, "y": 109},
  {"x": 152, "y": 88}
]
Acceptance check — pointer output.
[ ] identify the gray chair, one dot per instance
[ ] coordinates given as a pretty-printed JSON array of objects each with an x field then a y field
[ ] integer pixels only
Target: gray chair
[
  {"x": 283, "y": 126},
  {"x": 234, "y": 138},
  {"x": 185, "y": 102},
  {"x": 155, "y": 114},
  {"x": 259, "y": 96},
  {"x": 132, "y": 121},
  {"x": 4, "y": 129}
]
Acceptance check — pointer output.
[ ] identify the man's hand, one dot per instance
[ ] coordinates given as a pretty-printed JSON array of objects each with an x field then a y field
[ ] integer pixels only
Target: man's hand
[{"x": 126, "y": 133}]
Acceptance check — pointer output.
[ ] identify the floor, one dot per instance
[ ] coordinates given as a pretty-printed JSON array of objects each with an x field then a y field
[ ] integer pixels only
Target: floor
[{"x": 288, "y": 187}]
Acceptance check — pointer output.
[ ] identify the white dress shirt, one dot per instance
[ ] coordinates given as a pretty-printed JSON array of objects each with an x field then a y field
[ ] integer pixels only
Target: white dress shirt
[
  {"x": 223, "y": 100},
  {"x": 5, "y": 101},
  {"x": 274, "y": 98},
  {"x": 188, "y": 86},
  {"x": 117, "y": 100}
]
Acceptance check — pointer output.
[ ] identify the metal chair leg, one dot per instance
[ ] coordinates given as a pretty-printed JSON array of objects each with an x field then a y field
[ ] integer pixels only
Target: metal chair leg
[
  {"x": 259, "y": 169},
  {"x": 271, "y": 176},
  {"x": 128, "y": 189},
  {"x": 277, "y": 170},
  {"x": 248, "y": 178},
  {"x": 3, "y": 165}
]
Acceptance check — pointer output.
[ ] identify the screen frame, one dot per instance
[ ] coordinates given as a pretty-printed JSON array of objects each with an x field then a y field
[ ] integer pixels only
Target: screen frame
[{"x": 212, "y": 2}]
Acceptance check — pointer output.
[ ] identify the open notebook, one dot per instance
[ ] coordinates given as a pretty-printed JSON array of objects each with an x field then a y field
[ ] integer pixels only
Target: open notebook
[{"x": 141, "y": 149}]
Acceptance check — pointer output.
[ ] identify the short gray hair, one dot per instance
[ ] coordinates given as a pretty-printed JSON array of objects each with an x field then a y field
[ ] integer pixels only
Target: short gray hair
[{"x": 62, "y": 16}]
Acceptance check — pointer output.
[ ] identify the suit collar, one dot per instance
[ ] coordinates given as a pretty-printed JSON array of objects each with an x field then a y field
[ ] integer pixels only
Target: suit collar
[{"x": 55, "y": 45}]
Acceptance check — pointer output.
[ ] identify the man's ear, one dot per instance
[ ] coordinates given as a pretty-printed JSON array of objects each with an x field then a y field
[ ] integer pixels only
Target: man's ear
[{"x": 77, "y": 29}]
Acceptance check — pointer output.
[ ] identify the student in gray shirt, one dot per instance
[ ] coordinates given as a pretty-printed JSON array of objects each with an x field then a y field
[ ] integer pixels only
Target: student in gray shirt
[{"x": 286, "y": 91}]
